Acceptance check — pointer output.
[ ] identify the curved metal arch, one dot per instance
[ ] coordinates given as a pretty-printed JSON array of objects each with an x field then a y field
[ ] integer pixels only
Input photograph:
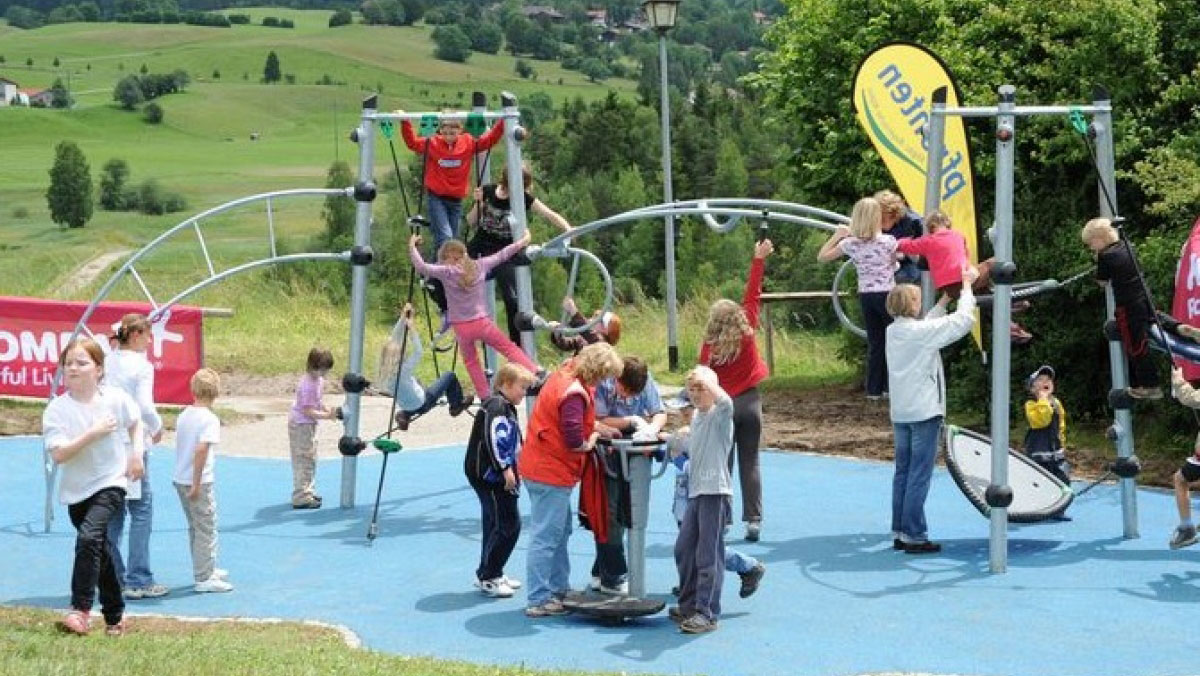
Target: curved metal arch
[
  {"x": 127, "y": 268},
  {"x": 538, "y": 321}
]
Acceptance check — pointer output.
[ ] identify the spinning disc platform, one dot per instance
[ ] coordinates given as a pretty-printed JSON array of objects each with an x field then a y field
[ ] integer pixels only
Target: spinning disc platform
[{"x": 1037, "y": 494}]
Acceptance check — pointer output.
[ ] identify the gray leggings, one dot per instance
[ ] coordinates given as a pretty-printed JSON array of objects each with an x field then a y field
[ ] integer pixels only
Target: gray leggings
[{"x": 747, "y": 433}]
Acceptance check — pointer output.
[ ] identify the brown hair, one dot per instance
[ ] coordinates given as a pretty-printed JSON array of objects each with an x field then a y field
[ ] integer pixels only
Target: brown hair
[
  {"x": 88, "y": 345},
  {"x": 205, "y": 385},
  {"x": 511, "y": 373},
  {"x": 937, "y": 219},
  {"x": 131, "y": 323},
  {"x": 597, "y": 362},
  {"x": 612, "y": 328},
  {"x": 526, "y": 176},
  {"x": 634, "y": 375},
  {"x": 318, "y": 359},
  {"x": 470, "y": 270}
]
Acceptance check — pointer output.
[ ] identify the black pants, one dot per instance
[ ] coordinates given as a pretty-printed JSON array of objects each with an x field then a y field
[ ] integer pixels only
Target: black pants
[
  {"x": 505, "y": 276},
  {"x": 94, "y": 554},
  {"x": 876, "y": 318},
  {"x": 1132, "y": 323},
  {"x": 610, "y": 565},
  {"x": 501, "y": 525}
]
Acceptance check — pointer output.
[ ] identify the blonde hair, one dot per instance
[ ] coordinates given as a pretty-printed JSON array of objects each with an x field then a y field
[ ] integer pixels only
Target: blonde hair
[
  {"x": 597, "y": 362},
  {"x": 727, "y": 326},
  {"x": 205, "y": 385},
  {"x": 891, "y": 205},
  {"x": 866, "y": 220},
  {"x": 1101, "y": 229},
  {"x": 904, "y": 300},
  {"x": 470, "y": 270},
  {"x": 511, "y": 373},
  {"x": 132, "y": 323},
  {"x": 702, "y": 374},
  {"x": 937, "y": 219}
]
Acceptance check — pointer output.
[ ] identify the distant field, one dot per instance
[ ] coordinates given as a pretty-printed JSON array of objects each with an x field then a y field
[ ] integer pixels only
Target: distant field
[{"x": 203, "y": 149}]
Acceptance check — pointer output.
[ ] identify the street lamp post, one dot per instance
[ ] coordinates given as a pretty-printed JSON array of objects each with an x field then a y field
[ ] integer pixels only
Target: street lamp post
[{"x": 661, "y": 14}]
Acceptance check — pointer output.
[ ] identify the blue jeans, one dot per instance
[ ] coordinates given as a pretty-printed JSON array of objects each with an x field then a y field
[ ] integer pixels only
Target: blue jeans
[
  {"x": 141, "y": 522},
  {"x": 444, "y": 214},
  {"x": 547, "y": 563},
  {"x": 446, "y": 385},
  {"x": 737, "y": 562},
  {"x": 916, "y": 450}
]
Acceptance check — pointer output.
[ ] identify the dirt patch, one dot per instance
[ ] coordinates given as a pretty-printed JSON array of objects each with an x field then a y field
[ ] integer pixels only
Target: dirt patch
[{"x": 836, "y": 420}]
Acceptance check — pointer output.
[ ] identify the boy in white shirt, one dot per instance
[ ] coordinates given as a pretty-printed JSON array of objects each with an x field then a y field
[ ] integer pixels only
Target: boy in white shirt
[{"x": 197, "y": 434}]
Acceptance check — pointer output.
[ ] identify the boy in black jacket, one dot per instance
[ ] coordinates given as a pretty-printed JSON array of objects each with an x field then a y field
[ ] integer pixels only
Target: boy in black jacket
[{"x": 491, "y": 469}]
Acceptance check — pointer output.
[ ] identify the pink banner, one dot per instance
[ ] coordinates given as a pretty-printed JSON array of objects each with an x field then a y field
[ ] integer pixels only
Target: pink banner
[
  {"x": 1186, "y": 307},
  {"x": 33, "y": 332}
]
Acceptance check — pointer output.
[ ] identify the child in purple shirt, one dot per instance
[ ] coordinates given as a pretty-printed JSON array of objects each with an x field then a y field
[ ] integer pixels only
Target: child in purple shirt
[
  {"x": 302, "y": 428},
  {"x": 465, "y": 283}
]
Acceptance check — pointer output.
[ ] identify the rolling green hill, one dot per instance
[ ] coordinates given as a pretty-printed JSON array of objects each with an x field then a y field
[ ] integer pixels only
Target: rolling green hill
[{"x": 204, "y": 151}]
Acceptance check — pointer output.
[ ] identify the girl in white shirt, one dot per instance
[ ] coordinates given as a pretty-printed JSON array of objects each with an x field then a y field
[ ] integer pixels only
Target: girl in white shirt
[{"x": 94, "y": 433}]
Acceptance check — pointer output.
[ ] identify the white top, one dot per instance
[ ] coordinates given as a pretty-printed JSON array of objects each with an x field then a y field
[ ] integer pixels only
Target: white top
[
  {"x": 132, "y": 372},
  {"x": 874, "y": 260},
  {"x": 916, "y": 383},
  {"x": 101, "y": 464},
  {"x": 196, "y": 425}
]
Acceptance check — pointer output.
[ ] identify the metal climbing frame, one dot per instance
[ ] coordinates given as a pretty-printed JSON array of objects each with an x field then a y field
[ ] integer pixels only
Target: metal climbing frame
[
  {"x": 1006, "y": 112},
  {"x": 187, "y": 228}
]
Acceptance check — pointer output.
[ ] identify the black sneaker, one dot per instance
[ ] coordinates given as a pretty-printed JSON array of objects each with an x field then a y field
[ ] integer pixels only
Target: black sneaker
[
  {"x": 676, "y": 615},
  {"x": 401, "y": 421},
  {"x": 897, "y": 544},
  {"x": 467, "y": 400},
  {"x": 923, "y": 547},
  {"x": 750, "y": 580}
]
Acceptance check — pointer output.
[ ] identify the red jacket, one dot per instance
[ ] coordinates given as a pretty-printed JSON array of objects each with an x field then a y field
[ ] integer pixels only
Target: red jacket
[
  {"x": 545, "y": 457},
  {"x": 448, "y": 168},
  {"x": 747, "y": 369}
]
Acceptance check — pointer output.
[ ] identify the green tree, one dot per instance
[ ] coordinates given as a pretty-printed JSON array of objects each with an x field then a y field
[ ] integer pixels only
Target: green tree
[
  {"x": 128, "y": 92},
  {"x": 342, "y": 17},
  {"x": 271, "y": 71},
  {"x": 486, "y": 37},
  {"x": 152, "y": 113},
  {"x": 70, "y": 193},
  {"x": 59, "y": 96},
  {"x": 339, "y": 210},
  {"x": 595, "y": 70},
  {"x": 452, "y": 44},
  {"x": 57, "y": 63},
  {"x": 113, "y": 176}
]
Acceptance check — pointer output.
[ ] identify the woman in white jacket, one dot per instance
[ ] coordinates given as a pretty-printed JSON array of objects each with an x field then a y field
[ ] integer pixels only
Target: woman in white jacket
[
  {"x": 918, "y": 400},
  {"x": 129, "y": 369}
]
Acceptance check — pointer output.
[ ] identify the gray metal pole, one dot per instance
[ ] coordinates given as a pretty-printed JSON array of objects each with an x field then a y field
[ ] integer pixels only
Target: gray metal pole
[
  {"x": 358, "y": 292},
  {"x": 1001, "y": 344},
  {"x": 1105, "y": 168},
  {"x": 935, "y": 137},
  {"x": 483, "y": 163},
  {"x": 639, "y": 503},
  {"x": 669, "y": 231},
  {"x": 514, "y": 133}
]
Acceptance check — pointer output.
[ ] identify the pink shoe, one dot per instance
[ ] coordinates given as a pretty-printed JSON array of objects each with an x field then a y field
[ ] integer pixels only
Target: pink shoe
[{"x": 77, "y": 622}]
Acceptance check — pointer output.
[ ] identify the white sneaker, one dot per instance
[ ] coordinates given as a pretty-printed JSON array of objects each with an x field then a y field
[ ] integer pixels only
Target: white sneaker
[
  {"x": 220, "y": 573},
  {"x": 595, "y": 585},
  {"x": 212, "y": 585},
  {"x": 512, "y": 584},
  {"x": 619, "y": 590},
  {"x": 496, "y": 588}
]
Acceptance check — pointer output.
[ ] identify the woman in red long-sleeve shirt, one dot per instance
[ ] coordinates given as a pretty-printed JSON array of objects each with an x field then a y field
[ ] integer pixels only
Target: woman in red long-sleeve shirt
[{"x": 730, "y": 350}]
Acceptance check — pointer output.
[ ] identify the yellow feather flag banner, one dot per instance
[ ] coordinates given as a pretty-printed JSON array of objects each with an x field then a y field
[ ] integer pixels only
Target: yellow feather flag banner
[{"x": 893, "y": 91}]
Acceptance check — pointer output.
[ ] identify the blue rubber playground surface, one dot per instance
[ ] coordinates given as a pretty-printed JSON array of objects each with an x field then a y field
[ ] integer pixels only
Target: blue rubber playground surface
[{"x": 1077, "y": 598}]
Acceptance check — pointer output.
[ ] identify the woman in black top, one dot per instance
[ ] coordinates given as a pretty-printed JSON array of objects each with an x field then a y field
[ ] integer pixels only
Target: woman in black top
[{"x": 493, "y": 232}]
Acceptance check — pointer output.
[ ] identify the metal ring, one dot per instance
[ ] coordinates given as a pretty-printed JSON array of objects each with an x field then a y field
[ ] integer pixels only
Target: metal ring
[{"x": 837, "y": 302}]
